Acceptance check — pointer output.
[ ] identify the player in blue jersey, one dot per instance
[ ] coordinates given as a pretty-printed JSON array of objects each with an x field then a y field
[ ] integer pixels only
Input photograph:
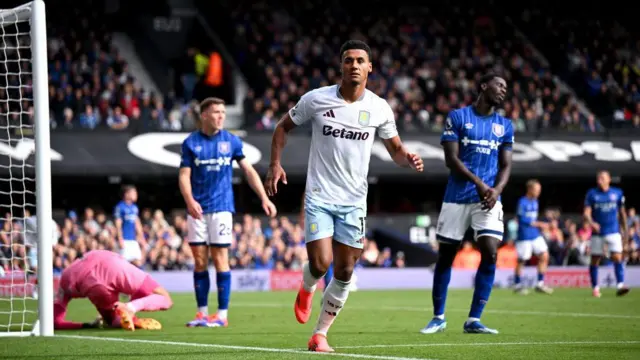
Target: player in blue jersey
[
  {"x": 602, "y": 206},
  {"x": 128, "y": 226},
  {"x": 530, "y": 241},
  {"x": 205, "y": 183},
  {"x": 477, "y": 146}
]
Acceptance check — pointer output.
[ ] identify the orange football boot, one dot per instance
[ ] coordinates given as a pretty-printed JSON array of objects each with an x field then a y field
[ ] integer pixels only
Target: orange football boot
[
  {"x": 318, "y": 343},
  {"x": 303, "y": 305},
  {"x": 126, "y": 316}
]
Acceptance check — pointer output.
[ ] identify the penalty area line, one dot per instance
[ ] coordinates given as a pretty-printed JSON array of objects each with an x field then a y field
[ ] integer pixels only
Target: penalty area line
[
  {"x": 524, "y": 343},
  {"x": 235, "y": 347}
]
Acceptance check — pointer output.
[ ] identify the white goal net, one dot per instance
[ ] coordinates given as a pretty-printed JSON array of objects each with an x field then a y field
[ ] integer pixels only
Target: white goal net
[{"x": 26, "y": 278}]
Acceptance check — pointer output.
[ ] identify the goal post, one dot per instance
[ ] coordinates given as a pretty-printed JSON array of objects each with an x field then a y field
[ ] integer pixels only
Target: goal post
[{"x": 23, "y": 46}]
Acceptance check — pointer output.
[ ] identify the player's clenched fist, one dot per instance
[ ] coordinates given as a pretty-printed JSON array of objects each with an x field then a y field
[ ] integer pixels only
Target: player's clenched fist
[
  {"x": 415, "y": 162},
  {"x": 275, "y": 174}
]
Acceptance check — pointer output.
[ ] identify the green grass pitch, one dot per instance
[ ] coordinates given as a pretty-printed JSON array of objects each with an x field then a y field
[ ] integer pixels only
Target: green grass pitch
[{"x": 569, "y": 324}]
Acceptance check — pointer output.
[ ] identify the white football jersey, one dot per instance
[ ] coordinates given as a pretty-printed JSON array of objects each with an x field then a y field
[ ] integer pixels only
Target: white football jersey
[{"x": 341, "y": 142}]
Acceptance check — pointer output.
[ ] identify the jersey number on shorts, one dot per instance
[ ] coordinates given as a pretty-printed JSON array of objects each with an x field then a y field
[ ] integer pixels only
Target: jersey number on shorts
[
  {"x": 362, "y": 221},
  {"x": 224, "y": 230}
]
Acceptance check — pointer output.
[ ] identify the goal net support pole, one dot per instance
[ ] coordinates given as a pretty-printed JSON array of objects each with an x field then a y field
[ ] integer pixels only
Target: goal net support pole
[
  {"x": 43, "y": 168},
  {"x": 34, "y": 13}
]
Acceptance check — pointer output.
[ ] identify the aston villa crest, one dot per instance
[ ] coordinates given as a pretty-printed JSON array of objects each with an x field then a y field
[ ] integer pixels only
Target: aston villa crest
[{"x": 363, "y": 118}]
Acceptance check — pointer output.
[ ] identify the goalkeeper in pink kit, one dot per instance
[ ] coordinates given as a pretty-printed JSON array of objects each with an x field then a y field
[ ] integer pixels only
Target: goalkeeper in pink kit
[{"x": 101, "y": 276}]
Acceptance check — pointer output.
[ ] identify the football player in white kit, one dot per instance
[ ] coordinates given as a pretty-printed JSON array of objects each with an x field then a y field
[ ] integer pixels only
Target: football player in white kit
[{"x": 345, "y": 119}]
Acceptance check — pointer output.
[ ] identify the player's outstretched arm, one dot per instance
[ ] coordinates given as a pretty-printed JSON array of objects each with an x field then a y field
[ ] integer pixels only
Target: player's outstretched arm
[
  {"x": 401, "y": 156},
  {"x": 253, "y": 178},
  {"x": 278, "y": 142}
]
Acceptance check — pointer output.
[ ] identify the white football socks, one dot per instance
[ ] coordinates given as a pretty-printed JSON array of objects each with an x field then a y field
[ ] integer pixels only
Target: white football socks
[
  {"x": 222, "y": 314},
  {"x": 335, "y": 295},
  {"x": 204, "y": 310},
  {"x": 309, "y": 282}
]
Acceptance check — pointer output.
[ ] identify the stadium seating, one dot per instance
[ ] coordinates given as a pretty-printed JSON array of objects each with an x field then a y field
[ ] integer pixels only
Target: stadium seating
[
  {"x": 600, "y": 59},
  {"x": 91, "y": 86},
  {"x": 426, "y": 61}
]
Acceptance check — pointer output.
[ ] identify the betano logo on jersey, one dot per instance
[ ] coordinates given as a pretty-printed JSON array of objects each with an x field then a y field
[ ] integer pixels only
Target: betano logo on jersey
[
  {"x": 214, "y": 164},
  {"x": 329, "y": 130}
]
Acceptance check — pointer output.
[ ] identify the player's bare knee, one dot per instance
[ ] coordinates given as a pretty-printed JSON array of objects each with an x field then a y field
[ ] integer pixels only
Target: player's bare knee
[
  {"x": 595, "y": 260},
  {"x": 319, "y": 264},
  {"x": 343, "y": 273}
]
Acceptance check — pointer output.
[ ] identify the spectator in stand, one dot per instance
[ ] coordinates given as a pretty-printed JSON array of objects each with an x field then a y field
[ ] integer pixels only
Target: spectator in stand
[{"x": 117, "y": 120}]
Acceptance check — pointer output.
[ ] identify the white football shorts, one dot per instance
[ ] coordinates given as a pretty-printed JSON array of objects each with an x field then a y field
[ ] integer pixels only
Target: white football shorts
[
  {"x": 455, "y": 219},
  {"x": 214, "y": 229},
  {"x": 528, "y": 248},
  {"x": 613, "y": 241},
  {"x": 131, "y": 250}
]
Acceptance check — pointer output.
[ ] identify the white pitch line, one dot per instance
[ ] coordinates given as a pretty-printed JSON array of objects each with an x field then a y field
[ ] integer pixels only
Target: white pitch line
[
  {"x": 489, "y": 311},
  {"x": 493, "y": 344},
  {"x": 236, "y": 347}
]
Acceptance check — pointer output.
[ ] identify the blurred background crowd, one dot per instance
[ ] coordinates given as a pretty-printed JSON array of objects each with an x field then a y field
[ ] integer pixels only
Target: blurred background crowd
[
  {"x": 276, "y": 245},
  {"x": 581, "y": 76}
]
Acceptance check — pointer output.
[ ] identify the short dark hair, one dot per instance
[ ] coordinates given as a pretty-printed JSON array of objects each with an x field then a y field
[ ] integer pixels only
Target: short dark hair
[
  {"x": 486, "y": 78},
  {"x": 127, "y": 188},
  {"x": 204, "y": 105},
  {"x": 355, "y": 45}
]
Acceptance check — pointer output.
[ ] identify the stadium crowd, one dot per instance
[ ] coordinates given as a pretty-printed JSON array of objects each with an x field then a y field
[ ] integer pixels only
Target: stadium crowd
[
  {"x": 427, "y": 61},
  {"x": 91, "y": 85},
  {"x": 277, "y": 245},
  {"x": 599, "y": 58}
]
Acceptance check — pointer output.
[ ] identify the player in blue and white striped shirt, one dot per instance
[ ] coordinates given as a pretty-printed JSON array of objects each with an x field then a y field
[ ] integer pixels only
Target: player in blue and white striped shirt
[
  {"x": 477, "y": 145},
  {"x": 205, "y": 183}
]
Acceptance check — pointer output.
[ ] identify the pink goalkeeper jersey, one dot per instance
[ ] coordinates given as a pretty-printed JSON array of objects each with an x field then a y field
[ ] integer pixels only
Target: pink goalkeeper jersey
[{"x": 101, "y": 276}]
